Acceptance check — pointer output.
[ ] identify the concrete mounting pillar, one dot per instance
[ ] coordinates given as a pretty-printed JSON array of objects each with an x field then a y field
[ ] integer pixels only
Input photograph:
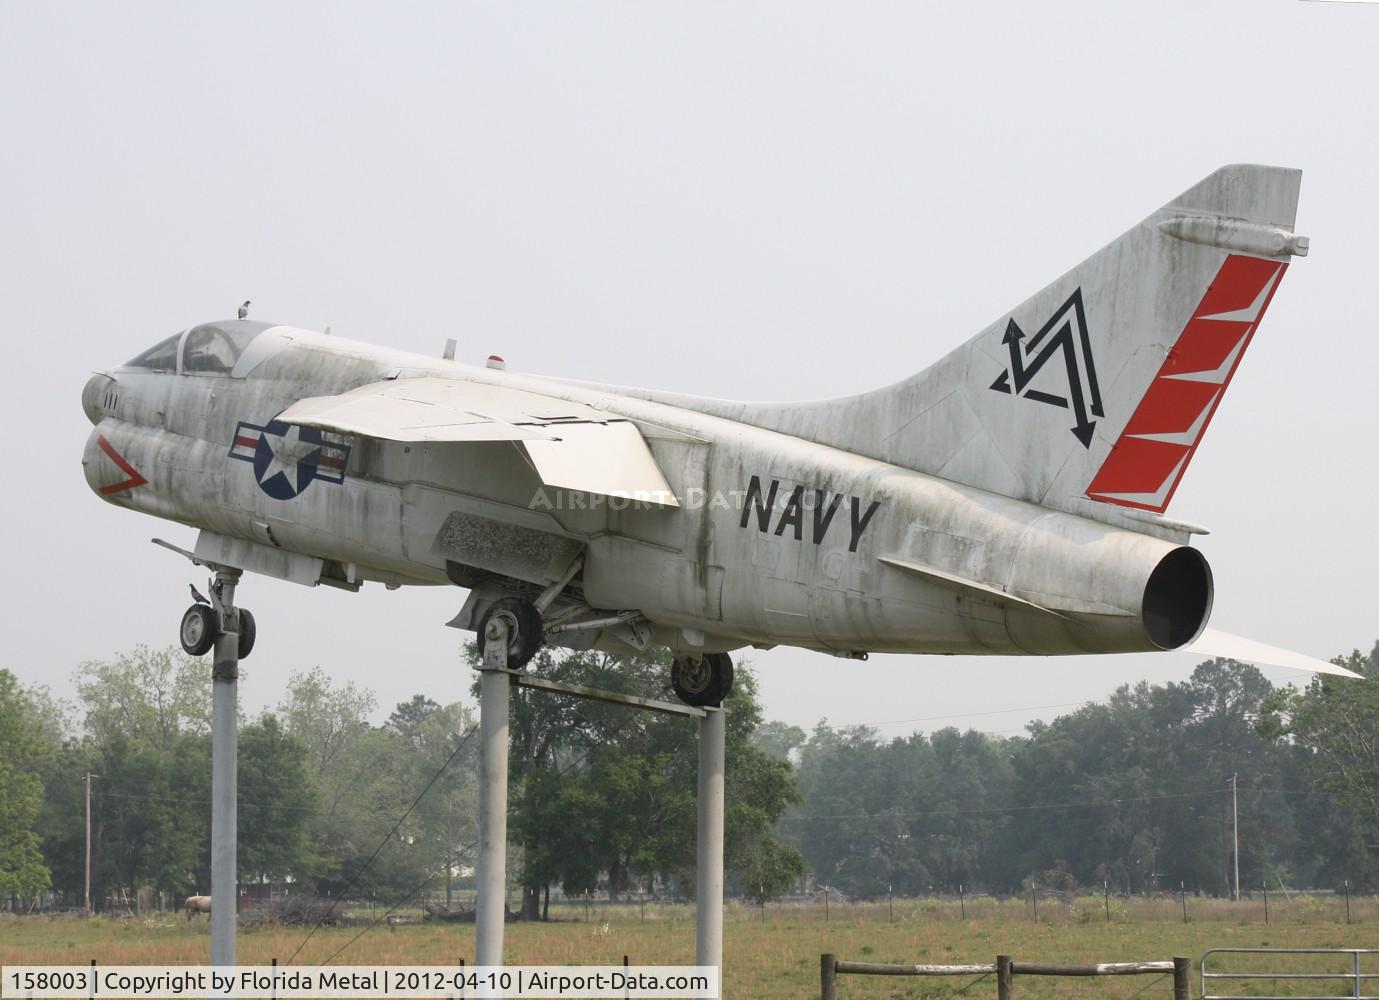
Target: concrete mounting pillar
[
  {"x": 495, "y": 687},
  {"x": 708, "y": 932},
  {"x": 224, "y": 772}
]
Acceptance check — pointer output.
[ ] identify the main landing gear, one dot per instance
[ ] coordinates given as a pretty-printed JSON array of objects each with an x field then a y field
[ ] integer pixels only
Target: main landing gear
[
  {"x": 702, "y": 680},
  {"x": 525, "y": 630},
  {"x": 201, "y": 626}
]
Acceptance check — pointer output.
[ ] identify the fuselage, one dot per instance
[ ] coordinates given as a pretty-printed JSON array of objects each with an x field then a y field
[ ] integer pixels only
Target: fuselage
[{"x": 776, "y": 540}]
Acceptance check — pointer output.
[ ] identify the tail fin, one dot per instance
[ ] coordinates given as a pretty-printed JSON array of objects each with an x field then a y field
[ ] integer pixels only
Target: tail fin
[{"x": 1102, "y": 384}]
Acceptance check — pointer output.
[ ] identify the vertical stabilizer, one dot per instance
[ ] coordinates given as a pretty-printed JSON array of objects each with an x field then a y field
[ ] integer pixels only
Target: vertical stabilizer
[{"x": 1102, "y": 384}]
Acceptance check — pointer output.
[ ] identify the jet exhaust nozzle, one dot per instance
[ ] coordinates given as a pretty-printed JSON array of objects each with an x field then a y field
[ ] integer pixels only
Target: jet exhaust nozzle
[{"x": 1177, "y": 599}]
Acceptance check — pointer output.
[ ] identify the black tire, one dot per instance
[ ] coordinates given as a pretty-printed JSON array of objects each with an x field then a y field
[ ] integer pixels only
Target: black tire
[
  {"x": 248, "y": 632},
  {"x": 526, "y": 634},
  {"x": 199, "y": 629},
  {"x": 725, "y": 675},
  {"x": 702, "y": 681}
]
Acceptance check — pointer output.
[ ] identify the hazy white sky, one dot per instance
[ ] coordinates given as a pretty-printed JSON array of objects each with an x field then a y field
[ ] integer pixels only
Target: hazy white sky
[{"x": 783, "y": 200}]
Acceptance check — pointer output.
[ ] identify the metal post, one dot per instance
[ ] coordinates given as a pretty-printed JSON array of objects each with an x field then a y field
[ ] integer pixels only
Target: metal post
[
  {"x": 1183, "y": 889},
  {"x": 890, "y": 902},
  {"x": 494, "y": 690},
  {"x": 708, "y": 934},
  {"x": 828, "y": 977},
  {"x": 224, "y": 771},
  {"x": 1235, "y": 837},
  {"x": 88, "y": 843},
  {"x": 1266, "y": 903},
  {"x": 1182, "y": 978},
  {"x": 1347, "y": 901},
  {"x": 1004, "y": 977},
  {"x": 1106, "y": 894},
  {"x": 962, "y": 901}
]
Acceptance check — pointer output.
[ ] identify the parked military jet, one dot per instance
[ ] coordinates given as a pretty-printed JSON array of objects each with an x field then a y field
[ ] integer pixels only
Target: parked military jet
[{"x": 1008, "y": 500}]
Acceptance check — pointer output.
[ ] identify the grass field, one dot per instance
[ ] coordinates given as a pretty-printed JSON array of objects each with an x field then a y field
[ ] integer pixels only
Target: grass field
[{"x": 775, "y": 958}]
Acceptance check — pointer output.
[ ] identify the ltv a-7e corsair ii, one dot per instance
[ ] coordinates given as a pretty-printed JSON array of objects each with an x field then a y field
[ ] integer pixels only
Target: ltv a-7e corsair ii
[{"x": 1008, "y": 500}]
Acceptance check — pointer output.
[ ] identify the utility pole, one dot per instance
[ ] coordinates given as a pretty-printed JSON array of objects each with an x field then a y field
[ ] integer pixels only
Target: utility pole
[
  {"x": 88, "y": 843},
  {"x": 1235, "y": 836}
]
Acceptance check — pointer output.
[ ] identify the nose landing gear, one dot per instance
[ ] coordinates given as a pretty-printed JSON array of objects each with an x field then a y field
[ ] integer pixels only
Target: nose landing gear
[
  {"x": 702, "y": 681},
  {"x": 201, "y": 626}
]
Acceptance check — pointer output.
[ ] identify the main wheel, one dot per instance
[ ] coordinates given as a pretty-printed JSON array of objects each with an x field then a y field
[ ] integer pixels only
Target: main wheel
[
  {"x": 248, "y": 632},
  {"x": 199, "y": 628},
  {"x": 525, "y": 631},
  {"x": 702, "y": 680}
]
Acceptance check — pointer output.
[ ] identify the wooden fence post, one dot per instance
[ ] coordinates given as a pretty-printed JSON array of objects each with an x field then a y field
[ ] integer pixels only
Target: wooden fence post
[
  {"x": 828, "y": 977},
  {"x": 1004, "y": 978},
  {"x": 1182, "y": 978}
]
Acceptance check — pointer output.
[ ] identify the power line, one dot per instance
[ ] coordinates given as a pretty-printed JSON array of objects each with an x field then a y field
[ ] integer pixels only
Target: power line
[
  {"x": 967, "y": 715},
  {"x": 383, "y": 843},
  {"x": 449, "y": 862},
  {"x": 1087, "y": 803},
  {"x": 1288, "y": 678}
]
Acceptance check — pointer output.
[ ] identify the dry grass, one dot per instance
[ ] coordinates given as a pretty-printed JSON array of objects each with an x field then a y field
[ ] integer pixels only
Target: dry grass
[{"x": 777, "y": 958}]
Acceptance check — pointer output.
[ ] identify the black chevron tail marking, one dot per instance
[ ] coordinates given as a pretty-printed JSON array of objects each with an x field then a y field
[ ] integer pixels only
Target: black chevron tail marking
[{"x": 1027, "y": 357}]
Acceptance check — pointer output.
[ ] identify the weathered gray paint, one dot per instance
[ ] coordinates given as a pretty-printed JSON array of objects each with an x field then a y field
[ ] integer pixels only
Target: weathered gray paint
[{"x": 939, "y": 497}]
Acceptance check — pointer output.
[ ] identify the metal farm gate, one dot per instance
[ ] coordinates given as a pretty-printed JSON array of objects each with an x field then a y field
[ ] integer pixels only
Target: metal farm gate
[{"x": 1340, "y": 973}]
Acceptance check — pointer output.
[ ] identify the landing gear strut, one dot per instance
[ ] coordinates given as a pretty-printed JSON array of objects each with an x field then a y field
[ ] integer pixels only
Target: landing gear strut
[{"x": 703, "y": 680}]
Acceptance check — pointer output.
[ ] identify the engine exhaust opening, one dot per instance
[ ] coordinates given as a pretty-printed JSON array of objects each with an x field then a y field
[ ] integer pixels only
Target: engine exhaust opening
[{"x": 1177, "y": 599}]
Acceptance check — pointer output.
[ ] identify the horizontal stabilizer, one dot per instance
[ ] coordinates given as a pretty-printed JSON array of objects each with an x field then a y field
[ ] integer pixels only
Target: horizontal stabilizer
[
  {"x": 962, "y": 583},
  {"x": 572, "y": 446},
  {"x": 1213, "y": 642}
]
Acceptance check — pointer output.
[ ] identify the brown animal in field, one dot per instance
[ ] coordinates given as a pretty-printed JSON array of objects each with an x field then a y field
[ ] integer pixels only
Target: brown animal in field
[{"x": 197, "y": 904}]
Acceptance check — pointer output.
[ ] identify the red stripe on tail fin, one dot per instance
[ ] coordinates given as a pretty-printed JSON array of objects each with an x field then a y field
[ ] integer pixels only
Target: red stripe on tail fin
[{"x": 1148, "y": 461}]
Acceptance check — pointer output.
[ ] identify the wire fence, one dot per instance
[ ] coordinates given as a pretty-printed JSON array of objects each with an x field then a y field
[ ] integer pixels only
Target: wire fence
[{"x": 1045, "y": 907}]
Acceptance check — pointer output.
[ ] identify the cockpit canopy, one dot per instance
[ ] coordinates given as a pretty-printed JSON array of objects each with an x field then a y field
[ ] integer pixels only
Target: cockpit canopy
[{"x": 208, "y": 349}]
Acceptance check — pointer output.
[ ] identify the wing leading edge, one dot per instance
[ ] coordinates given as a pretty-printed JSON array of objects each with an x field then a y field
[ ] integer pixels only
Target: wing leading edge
[{"x": 570, "y": 445}]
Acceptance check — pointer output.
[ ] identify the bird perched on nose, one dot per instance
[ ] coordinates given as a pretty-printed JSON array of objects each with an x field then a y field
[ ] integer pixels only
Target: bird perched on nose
[{"x": 244, "y": 309}]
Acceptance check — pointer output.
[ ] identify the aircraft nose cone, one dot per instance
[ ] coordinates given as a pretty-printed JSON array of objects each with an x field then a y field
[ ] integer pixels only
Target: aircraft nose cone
[{"x": 91, "y": 394}]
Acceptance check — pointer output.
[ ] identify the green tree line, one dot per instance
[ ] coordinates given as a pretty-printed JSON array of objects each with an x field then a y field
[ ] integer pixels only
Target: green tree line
[{"x": 1134, "y": 791}]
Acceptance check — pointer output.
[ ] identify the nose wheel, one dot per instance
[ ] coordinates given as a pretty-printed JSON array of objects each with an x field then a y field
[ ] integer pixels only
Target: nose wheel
[
  {"x": 702, "y": 681},
  {"x": 201, "y": 627}
]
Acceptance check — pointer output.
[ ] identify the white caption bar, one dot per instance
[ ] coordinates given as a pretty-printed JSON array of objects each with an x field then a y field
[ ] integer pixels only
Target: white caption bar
[{"x": 699, "y": 982}]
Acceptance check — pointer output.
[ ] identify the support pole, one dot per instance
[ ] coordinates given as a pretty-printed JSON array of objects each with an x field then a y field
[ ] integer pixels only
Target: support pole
[
  {"x": 708, "y": 937},
  {"x": 88, "y": 843},
  {"x": 495, "y": 688},
  {"x": 224, "y": 771},
  {"x": 1235, "y": 838}
]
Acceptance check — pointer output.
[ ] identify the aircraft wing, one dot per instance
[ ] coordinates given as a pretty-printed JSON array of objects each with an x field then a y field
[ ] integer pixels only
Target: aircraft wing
[
  {"x": 1214, "y": 642},
  {"x": 571, "y": 445}
]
